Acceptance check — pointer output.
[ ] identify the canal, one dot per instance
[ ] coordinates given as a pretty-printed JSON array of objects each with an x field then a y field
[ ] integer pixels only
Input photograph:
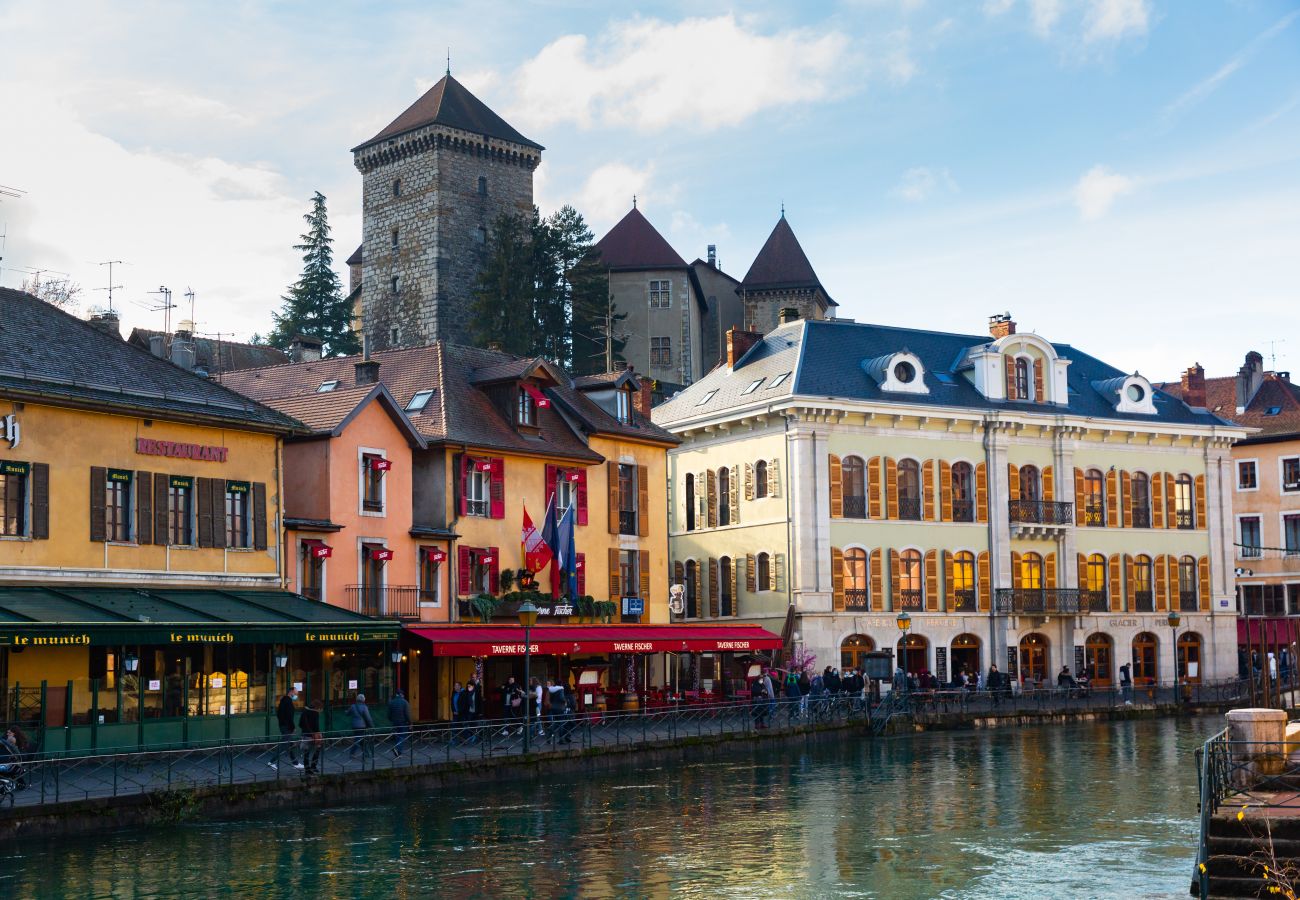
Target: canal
[{"x": 1082, "y": 810}]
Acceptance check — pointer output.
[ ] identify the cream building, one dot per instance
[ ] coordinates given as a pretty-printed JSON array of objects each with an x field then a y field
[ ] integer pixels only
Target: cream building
[{"x": 1028, "y": 505}]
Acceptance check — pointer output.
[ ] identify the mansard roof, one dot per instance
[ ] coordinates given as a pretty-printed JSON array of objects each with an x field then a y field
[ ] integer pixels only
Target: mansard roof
[
  {"x": 781, "y": 264},
  {"x": 825, "y": 360},
  {"x": 635, "y": 244},
  {"x": 450, "y": 103}
]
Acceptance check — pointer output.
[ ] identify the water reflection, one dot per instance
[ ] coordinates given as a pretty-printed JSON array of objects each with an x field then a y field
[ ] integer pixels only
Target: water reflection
[{"x": 1087, "y": 810}]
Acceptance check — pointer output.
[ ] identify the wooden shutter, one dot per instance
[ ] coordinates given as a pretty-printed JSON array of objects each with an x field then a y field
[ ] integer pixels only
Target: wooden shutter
[
  {"x": 1049, "y": 571},
  {"x": 259, "y": 515},
  {"x": 875, "y": 476},
  {"x": 778, "y": 571},
  {"x": 1123, "y": 504},
  {"x": 580, "y": 560},
  {"x": 642, "y": 500},
  {"x": 611, "y": 481},
  {"x": 1009, "y": 365},
  {"x": 1171, "y": 502},
  {"x": 715, "y": 591},
  {"x": 1081, "y": 571},
  {"x": 218, "y": 511},
  {"x": 1157, "y": 500},
  {"x": 891, "y": 488},
  {"x": 749, "y": 481},
  {"x": 98, "y": 497},
  {"x": 876, "y": 576},
  {"x": 699, "y": 594},
  {"x": 982, "y": 492},
  {"x": 733, "y": 495},
  {"x": 837, "y": 487},
  {"x": 985, "y": 581},
  {"x": 1049, "y": 485},
  {"x": 497, "y": 489},
  {"x": 1078, "y": 496},
  {"x": 582, "y": 496},
  {"x": 945, "y": 491},
  {"x": 143, "y": 508},
  {"x": 895, "y": 578},
  {"x": 40, "y": 475},
  {"x": 712, "y": 494},
  {"x": 927, "y": 489},
  {"x": 643, "y": 574},
  {"x": 161, "y": 523},
  {"x": 616, "y": 576},
  {"x": 1162, "y": 583},
  {"x": 1016, "y": 576},
  {"x": 1203, "y": 582},
  {"x": 203, "y": 501},
  {"x": 1130, "y": 581},
  {"x": 1040, "y": 395},
  {"x": 679, "y": 573},
  {"x": 494, "y": 571},
  {"x": 461, "y": 486},
  {"x": 751, "y": 574},
  {"x": 774, "y": 478},
  {"x": 949, "y": 565},
  {"x": 837, "y": 579},
  {"x": 1200, "y": 501},
  {"x": 1013, "y": 481},
  {"x": 464, "y": 571},
  {"x": 931, "y": 581},
  {"x": 1116, "y": 573}
]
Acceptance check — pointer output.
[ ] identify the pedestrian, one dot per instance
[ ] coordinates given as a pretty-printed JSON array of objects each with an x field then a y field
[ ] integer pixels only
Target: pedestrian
[
  {"x": 993, "y": 683},
  {"x": 535, "y": 698},
  {"x": 805, "y": 688},
  {"x": 309, "y": 725},
  {"x": 359, "y": 715},
  {"x": 399, "y": 716},
  {"x": 284, "y": 715},
  {"x": 1126, "y": 684},
  {"x": 758, "y": 702},
  {"x": 467, "y": 706},
  {"x": 512, "y": 701},
  {"x": 769, "y": 691},
  {"x": 555, "y": 707},
  {"x": 832, "y": 681}
]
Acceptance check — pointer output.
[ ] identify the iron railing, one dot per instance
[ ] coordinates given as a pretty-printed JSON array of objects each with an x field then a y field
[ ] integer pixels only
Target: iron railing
[
  {"x": 1144, "y": 601},
  {"x": 909, "y": 508},
  {"x": 1141, "y": 518},
  {"x": 1094, "y": 514},
  {"x": 857, "y": 600},
  {"x": 1188, "y": 601},
  {"x": 1046, "y": 601},
  {"x": 384, "y": 601},
  {"x": 1041, "y": 512},
  {"x": 1093, "y": 601},
  {"x": 963, "y": 510},
  {"x": 627, "y": 521},
  {"x": 855, "y": 506},
  {"x": 910, "y": 599},
  {"x": 962, "y": 601},
  {"x": 1184, "y": 519}
]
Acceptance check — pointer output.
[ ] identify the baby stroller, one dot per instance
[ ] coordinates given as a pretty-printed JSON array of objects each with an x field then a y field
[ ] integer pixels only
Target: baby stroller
[{"x": 13, "y": 777}]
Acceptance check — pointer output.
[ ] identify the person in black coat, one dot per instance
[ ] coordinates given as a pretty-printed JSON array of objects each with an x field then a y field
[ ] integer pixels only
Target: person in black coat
[
  {"x": 309, "y": 725},
  {"x": 832, "y": 681},
  {"x": 284, "y": 716}
]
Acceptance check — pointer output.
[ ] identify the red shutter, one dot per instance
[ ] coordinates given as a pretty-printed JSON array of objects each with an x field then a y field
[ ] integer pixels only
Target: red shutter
[
  {"x": 581, "y": 560},
  {"x": 463, "y": 571},
  {"x": 582, "y": 497},
  {"x": 494, "y": 571},
  {"x": 497, "y": 490},
  {"x": 462, "y": 489},
  {"x": 551, "y": 472}
]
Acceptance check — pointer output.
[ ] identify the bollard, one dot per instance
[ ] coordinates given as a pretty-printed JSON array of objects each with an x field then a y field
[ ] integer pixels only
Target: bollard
[{"x": 1261, "y": 732}]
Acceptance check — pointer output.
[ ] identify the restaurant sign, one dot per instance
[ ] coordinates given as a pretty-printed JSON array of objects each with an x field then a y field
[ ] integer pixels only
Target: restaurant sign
[
  {"x": 118, "y": 635},
  {"x": 203, "y": 452}
]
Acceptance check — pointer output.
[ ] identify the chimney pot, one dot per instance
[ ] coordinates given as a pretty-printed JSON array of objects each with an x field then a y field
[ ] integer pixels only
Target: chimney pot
[
  {"x": 367, "y": 372},
  {"x": 738, "y": 344},
  {"x": 1001, "y": 325},
  {"x": 108, "y": 323},
  {"x": 304, "y": 349},
  {"x": 1249, "y": 377},
  {"x": 158, "y": 345}
]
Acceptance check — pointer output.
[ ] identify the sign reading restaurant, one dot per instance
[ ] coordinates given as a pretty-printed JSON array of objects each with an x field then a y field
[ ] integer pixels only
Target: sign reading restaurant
[{"x": 204, "y": 452}]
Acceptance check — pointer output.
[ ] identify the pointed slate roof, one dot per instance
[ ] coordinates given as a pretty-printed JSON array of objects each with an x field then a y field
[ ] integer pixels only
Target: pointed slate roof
[
  {"x": 450, "y": 103},
  {"x": 635, "y": 244},
  {"x": 781, "y": 264}
]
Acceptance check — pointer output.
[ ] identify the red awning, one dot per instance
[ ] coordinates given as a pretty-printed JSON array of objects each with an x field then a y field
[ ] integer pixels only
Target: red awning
[
  {"x": 435, "y": 554},
  {"x": 508, "y": 640},
  {"x": 1268, "y": 632}
]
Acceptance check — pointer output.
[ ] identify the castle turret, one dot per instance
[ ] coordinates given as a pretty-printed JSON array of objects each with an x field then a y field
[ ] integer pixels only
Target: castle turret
[{"x": 781, "y": 278}]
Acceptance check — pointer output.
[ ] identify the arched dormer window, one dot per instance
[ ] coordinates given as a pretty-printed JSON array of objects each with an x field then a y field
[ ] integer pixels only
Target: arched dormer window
[{"x": 1023, "y": 381}]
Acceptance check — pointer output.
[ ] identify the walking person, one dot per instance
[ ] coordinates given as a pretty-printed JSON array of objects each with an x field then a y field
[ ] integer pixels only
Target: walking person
[
  {"x": 399, "y": 716},
  {"x": 284, "y": 715},
  {"x": 1126, "y": 684},
  {"x": 793, "y": 696},
  {"x": 758, "y": 702},
  {"x": 359, "y": 714},
  {"x": 455, "y": 702},
  {"x": 469, "y": 708},
  {"x": 993, "y": 683},
  {"x": 309, "y": 725},
  {"x": 535, "y": 698},
  {"x": 556, "y": 706},
  {"x": 512, "y": 699}
]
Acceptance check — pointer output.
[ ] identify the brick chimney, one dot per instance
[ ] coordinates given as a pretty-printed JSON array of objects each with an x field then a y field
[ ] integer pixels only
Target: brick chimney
[
  {"x": 107, "y": 322},
  {"x": 366, "y": 368},
  {"x": 643, "y": 399},
  {"x": 1194, "y": 386},
  {"x": 788, "y": 314},
  {"x": 1001, "y": 325},
  {"x": 738, "y": 343},
  {"x": 304, "y": 349}
]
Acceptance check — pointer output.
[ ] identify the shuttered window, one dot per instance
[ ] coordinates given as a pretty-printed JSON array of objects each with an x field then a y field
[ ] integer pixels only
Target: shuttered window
[
  {"x": 180, "y": 510},
  {"x": 14, "y": 478},
  {"x": 117, "y": 505},
  {"x": 238, "y": 524}
]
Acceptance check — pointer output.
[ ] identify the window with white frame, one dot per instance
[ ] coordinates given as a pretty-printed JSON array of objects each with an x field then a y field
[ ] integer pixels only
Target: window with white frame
[
  {"x": 1249, "y": 537},
  {"x": 1291, "y": 534},
  {"x": 1291, "y": 474},
  {"x": 1247, "y": 475},
  {"x": 661, "y": 294},
  {"x": 477, "y": 485}
]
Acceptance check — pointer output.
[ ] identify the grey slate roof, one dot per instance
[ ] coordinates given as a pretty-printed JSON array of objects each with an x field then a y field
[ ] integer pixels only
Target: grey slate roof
[
  {"x": 47, "y": 353},
  {"x": 450, "y": 103},
  {"x": 826, "y": 361}
]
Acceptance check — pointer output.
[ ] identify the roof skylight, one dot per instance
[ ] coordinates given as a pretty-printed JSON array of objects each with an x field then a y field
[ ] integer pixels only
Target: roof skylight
[
  {"x": 778, "y": 380},
  {"x": 707, "y": 397},
  {"x": 753, "y": 386},
  {"x": 327, "y": 386},
  {"x": 419, "y": 400}
]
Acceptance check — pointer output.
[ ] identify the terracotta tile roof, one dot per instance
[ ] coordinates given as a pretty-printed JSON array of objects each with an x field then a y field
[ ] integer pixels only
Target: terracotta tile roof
[
  {"x": 322, "y": 412},
  {"x": 781, "y": 264},
  {"x": 1275, "y": 392},
  {"x": 635, "y": 244},
  {"x": 216, "y": 356},
  {"x": 450, "y": 103}
]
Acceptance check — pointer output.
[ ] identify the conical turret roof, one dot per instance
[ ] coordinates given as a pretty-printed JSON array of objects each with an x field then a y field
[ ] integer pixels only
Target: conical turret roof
[
  {"x": 450, "y": 103},
  {"x": 781, "y": 264},
  {"x": 635, "y": 244}
]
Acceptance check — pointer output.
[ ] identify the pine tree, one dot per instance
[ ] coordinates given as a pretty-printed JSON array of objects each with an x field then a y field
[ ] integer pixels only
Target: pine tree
[
  {"x": 504, "y": 293},
  {"x": 315, "y": 305}
]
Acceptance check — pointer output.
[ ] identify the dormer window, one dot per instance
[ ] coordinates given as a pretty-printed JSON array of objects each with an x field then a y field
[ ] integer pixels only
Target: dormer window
[
  {"x": 623, "y": 408},
  {"x": 526, "y": 409},
  {"x": 904, "y": 372},
  {"x": 900, "y": 373},
  {"x": 1022, "y": 379}
]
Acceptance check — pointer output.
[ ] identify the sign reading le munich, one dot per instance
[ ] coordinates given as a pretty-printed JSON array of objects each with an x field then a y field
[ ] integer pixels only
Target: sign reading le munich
[{"x": 203, "y": 452}]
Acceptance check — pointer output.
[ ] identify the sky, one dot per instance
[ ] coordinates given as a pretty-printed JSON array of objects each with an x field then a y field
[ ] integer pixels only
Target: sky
[{"x": 1123, "y": 175}]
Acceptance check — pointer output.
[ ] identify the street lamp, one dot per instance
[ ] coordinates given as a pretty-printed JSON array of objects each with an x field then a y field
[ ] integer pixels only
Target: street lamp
[
  {"x": 130, "y": 662},
  {"x": 904, "y": 623},
  {"x": 527, "y": 618},
  {"x": 1173, "y": 620}
]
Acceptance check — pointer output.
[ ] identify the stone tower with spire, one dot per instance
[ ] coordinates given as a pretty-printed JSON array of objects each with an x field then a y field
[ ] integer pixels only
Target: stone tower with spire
[
  {"x": 433, "y": 183},
  {"x": 781, "y": 278}
]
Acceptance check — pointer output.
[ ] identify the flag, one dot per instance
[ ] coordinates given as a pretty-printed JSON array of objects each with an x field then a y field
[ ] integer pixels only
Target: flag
[
  {"x": 549, "y": 538},
  {"x": 568, "y": 556},
  {"x": 536, "y": 553}
]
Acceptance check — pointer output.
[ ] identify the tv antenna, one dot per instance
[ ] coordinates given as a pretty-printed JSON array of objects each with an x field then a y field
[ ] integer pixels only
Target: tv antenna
[
  {"x": 110, "y": 263},
  {"x": 164, "y": 305},
  {"x": 1272, "y": 351},
  {"x": 11, "y": 192},
  {"x": 189, "y": 295}
]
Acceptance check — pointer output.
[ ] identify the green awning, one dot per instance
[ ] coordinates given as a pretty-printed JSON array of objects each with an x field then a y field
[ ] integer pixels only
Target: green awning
[{"x": 108, "y": 616}]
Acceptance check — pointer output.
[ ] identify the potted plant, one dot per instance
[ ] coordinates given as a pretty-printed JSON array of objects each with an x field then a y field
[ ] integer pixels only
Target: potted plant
[{"x": 485, "y": 605}]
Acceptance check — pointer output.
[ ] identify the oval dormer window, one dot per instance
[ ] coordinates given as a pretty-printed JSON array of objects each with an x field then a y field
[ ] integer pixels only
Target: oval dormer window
[
  {"x": 1135, "y": 393},
  {"x": 904, "y": 372}
]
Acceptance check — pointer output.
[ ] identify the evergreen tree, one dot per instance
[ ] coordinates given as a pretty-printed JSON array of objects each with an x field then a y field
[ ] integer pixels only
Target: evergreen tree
[
  {"x": 315, "y": 305},
  {"x": 504, "y": 293},
  {"x": 550, "y": 299}
]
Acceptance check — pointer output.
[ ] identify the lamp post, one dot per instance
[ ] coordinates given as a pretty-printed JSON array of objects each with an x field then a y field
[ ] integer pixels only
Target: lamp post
[
  {"x": 281, "y": 661},
  {"x": 904, "y": 623},
  {"x": 527, "y": 618},
  {"x": 1173, "y": 620}
]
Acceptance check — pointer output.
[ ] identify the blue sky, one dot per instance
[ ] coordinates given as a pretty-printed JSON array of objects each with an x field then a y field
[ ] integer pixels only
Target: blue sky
[{"x": 1119, "y": 174}]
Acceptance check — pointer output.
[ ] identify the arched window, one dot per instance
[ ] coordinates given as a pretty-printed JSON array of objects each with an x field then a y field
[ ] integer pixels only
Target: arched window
[
  {"x": 760, "y": 479},
  {"x": 1184, "y": 504},
  {"x": 1096, "y": 583},
  {"x": 963, "y": 492},
  {"x": 397, "y": 187},
  {"x": 690, "y": 502},
  {"x": 855, "y": 578},
  {"x": 724, "y": 496},
  {"x": 725, "y": 581},
  {"x": 909, "y": 489},
  {"x": 1143, "y": 598},
  {"x": 1189, "y": 657},
  {"x": 1033, "y": 659},
  {"x": 1031, "y": 572},
  {"x": 963, "y": 582},
  {"x": 914, "y": 652},
  {"x": 692, "y": 594},
  {"x": 764, "y": 572},
  {"x": 853, "y": 478},
  {"x": 1144, "y": 658},
  {"x": 1094, "y": 498},
  {"x": 1098, "y": 659},
  {"x": 1031, "y": 484},
  {"x": 854, "y": 650},
  {"x": 1023, "y": 380},
  {"x": 482, "y": 185},
  {"x": 910, "y": 581},
  {"x": 1188, "y": 599},
  {"x": 964, "y": 656},
  {"x": 1141, "y": 500}
]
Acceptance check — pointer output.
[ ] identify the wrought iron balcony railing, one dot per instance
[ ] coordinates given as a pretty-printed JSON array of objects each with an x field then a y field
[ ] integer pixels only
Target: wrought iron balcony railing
[
  {"x": 1093, "y": 601},
  {"x": 963, "y": 510},
  {"x": 1042, "y": 512},
  {"x": 909, "y": 599},
  {"x": 1188, "y": 601},
  {"x": 855, "y": 506},
  {"x": 1141, "y": 518},
  {"x": 909, "y": 508},
  {"x": 962, "y": 601},
  {"x": 1144, "y": 601},
  {"x": 384, "y": 601},
  {"x": 1046, "y": 601},
  {"x": 1094, "y": 514},
  {"x": 627, "y": 521},
  {"x": 857, "y": 600},
  {"x": 1184, "y": 519}
]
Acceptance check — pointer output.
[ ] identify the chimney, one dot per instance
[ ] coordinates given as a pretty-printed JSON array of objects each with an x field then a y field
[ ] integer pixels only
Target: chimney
[
  {"x": 738, "y": 343},
  {"x": 1249, "y": 377},
  {"x": 183, "y": 353},
  {"x": 1001, "y": 325},
  {"x": 713, "y": 256},
  {"x": 108, "y": 323},
  {"x": 1194, "y": 386},
  {"x": 367, "y": 369},
  {"x": 304, "y": 348},
  {"x": 496, "y": 346},
  {"x": 643, "y": 400},
  {"x": 158, "y": 345},
  {"x": 788, "y": 314}
]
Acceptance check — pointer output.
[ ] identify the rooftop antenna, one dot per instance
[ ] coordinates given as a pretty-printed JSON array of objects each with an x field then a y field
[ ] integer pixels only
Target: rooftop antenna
[
  {"x": 1272, "y": 352},
  {"x": 189, "y": 294},
  {"x": 783, "y": 209},
  {"x": 449, "y": 61},
  {"x": 110, "y": 263},
  {"x": 13, "y": 192},
  {"x": 165, "y": 306}
]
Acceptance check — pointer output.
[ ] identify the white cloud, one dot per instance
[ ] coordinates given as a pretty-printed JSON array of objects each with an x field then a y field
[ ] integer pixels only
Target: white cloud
[
  {"x": 1115, "y": 19},
  {"x": 920, "y": 183},
  {"x": 650, "y": 75},
  {"x": 1044, "y": 15},
  {"x": 998, "y": 7},
  {"x": 1097, "y": 191},
  {"x": 606, "y": 195}
]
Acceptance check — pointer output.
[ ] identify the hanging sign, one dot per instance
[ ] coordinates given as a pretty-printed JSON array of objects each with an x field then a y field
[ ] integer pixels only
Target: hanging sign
[
  {"x": 320, "y": 550},
  {"x": 120, "y": 475},
  {"x": 436, "y": 555},
  {"x": 238, "y": 487},
  {"x": 11, "y": 430},
  {"x": 483, "y": 465},
  {"x": 383, "y": 554},
  {"x": 182, "y": 481},
  {"x": 352, "y": 684},
  {"x": 538, "y": 397},
  {"x": 379, "y": 464},
  {"x": 155, "y": 684}
]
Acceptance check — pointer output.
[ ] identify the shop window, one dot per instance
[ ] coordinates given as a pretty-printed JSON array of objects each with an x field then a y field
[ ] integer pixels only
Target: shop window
[
  {"x": 373, "y": 468},
  {"x": 180, "y": 511},
  {"x": 13, "y": 500},
  {"x": 238, "y": 533},
  {"x": 1144, "y": 658},
  {"x": 118, "y": 505},
  {"x": 1189, "y": 657}
]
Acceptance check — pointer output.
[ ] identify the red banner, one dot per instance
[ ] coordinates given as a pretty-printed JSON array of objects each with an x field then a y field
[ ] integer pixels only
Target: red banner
[
  {"x": 379, "y": 464},
  {"x": 319, "y": 549},
  {"x": 435, "y": 554},
  {"x": 538, "y": 396},
  {"x": 382, "y": 554}
]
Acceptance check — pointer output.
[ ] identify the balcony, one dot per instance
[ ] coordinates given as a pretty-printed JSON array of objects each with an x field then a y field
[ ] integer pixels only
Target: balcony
[
  {"x": 1183, "y": 519},
  {"x": 1094, "y": 514},
  {"x": 857, "y": 600},
  {"x": 1039, "y": 518},
  {"x": 627, "y": 521},
  {"x": 855, "y": 507},
  {"x": 1141, "y": 518},
  {"x": 962, "y": 601},
  {"x": 909, "y": 509},
  {"x": 909, "y": 600},
  {"x": 1188, "y": 601},
  {"x": 1249, "y": 551},
  {"x": 1144, "y": 601},
  {"x": 475, "y": 507},
  {"x": 383, "y": 601},
  {"x": 1047, "y": 601},
  {"x": 1093, "y": 601},
  {"x": 963, "y": 510}
]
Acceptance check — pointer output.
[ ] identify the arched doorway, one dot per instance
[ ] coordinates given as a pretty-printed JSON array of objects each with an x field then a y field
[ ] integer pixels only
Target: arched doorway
[
  {"x": 1099, "y": 659},
  {"x": 1033, "y": 658},
  {"x": 916, "y": 656},
  {"x": 1189, "y": 657},
  {"x": 1144, "y": 658},
  {"x": 854, "y": 649},
  {"x": 964, "y": 653}
]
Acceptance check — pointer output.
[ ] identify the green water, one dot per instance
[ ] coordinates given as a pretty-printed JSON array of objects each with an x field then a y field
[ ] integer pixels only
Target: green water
[{"x": 1085, "y": 810}]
